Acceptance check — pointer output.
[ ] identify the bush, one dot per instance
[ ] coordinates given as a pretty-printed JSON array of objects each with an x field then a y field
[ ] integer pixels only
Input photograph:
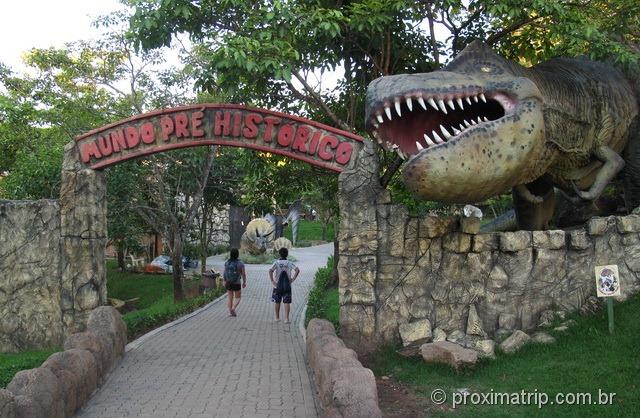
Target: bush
[{"x": 323, "y": 299}]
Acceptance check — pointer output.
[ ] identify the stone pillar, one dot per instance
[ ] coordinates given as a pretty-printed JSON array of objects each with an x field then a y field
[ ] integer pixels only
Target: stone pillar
[
  {"x": 83, "y": 224},
  {"x": 359, "y": 191}
]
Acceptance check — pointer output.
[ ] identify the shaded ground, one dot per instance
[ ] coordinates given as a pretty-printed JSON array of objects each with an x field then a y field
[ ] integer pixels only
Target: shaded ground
[{"x": 399, "y": 401}]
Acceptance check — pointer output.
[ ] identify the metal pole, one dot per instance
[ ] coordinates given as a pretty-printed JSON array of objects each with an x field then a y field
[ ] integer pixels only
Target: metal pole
[{"x": 610, "y": 313}]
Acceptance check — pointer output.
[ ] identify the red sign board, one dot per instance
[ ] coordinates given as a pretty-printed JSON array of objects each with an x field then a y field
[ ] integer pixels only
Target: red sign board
[{"x": 218, "y": 124}]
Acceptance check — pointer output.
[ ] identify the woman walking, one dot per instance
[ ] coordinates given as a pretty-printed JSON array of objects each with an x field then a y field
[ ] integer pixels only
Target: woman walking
[{"x": 233, "y": 272}]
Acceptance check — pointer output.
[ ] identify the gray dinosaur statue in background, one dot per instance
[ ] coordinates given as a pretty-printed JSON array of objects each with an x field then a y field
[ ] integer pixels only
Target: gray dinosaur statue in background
[
  {"x": 483, "y": 125},
  {"x": 279, "y": 222}
]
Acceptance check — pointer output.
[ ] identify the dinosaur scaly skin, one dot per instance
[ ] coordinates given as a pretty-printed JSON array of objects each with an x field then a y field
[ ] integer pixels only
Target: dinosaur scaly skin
[{"x": 484, "y": 124}]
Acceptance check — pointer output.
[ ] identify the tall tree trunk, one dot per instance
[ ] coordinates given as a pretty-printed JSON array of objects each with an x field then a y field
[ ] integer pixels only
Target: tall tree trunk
[
  {"x": 204, "y": 237},
  {"x": 120, "y": 254},
  {"x": 176, "y": 263}
]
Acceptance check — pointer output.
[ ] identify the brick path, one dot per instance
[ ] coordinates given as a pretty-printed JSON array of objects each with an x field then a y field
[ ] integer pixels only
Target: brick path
[{"x": 211, "y": 365}]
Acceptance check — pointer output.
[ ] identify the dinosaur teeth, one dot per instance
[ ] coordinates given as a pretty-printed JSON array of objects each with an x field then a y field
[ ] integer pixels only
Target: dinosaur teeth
[
  {"x": 379, "y": 118},
  {"x": 421, "y": 101},
  {"x": 446, "y": 133},
  {"x": 441, "y": 106},
  {"x": 475, "y": 98},
  {"x": 409, "y": 104},
  {"x": 401, "y": 154},
  {"x": 397, "y": 106},
  {"x": 468, "y": 99},
  {"x": 419, "y": 146},
  {"x": 484, "y": 119},
  {"x": 479, "y": 119},
  {"x": 460, "y": 105},
  {"x": 483, "y": 98},
  {"x": 450, "y": 104},
  {"x": 429, "y": 141},
  {"x": 387, "y": 111},
  {"x": 473, "y": 122},
  {"x": 432, "y": 103},
  {"x": 467, "y": 124},
  {"x": 437, "y": 137},
  {"x": 455, "y": 131}
]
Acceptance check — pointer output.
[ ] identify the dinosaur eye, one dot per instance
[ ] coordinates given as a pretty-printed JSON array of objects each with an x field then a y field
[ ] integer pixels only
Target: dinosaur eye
[{"x": 489, "y": 68}]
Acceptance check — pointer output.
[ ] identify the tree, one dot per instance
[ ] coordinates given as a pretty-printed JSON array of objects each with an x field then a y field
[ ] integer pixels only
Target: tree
[
  {"x": 268, "y": 53},
  {"x": 170, "y": 197}
]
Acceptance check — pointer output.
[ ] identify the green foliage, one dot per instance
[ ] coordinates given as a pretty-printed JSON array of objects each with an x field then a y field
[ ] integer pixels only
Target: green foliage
[
  {"x": 584, "y": 359},
  {"x": 323, "y": 302},
  {"x": 11, "y": 363},
  {"x": 271, "y": 53}
]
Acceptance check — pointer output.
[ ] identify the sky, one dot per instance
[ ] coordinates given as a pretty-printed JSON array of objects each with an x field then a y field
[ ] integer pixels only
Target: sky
[{"x": 25, "y": 24}]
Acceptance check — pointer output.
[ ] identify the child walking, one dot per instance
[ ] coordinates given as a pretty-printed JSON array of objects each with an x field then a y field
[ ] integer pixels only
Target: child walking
[
  {"x": 282, "y": 282},
  {"x": 233, "y": 272}
]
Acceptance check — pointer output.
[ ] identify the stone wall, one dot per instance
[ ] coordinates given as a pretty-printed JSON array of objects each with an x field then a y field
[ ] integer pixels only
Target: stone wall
[
  {"x": 220, "y": 226},
  {"x": 52, "y": 267},
  {"x": 30, "y": 265},
  {"x": 397, "y": 269}
]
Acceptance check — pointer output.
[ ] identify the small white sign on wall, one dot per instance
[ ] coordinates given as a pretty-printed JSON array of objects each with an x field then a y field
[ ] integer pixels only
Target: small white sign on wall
[{"x": 607, "y": 281}]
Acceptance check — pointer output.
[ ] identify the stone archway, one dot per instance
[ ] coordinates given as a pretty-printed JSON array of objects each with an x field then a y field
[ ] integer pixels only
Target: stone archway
[{"x": 83, "y": 192}]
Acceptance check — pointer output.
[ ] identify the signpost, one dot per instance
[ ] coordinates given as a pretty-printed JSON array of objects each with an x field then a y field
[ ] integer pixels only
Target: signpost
[{"x": 608, "y": 286}]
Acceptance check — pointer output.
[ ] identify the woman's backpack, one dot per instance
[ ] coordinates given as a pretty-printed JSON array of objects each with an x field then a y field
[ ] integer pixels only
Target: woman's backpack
[{"x": 231, "y": 271}]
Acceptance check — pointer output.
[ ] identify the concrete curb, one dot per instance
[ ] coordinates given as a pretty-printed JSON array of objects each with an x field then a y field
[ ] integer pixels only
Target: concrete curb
[{"x": 141, "y": 340}]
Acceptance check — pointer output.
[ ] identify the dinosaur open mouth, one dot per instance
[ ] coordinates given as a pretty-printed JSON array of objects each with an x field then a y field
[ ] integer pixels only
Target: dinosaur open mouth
[{"x": 415, "y": 121}]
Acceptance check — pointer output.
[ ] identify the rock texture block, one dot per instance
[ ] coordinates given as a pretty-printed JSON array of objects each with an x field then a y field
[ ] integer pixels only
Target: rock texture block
[
  {"x": 449, "y": 353},
  {"x": 415, "y": 331},
  {"x": 515, "y": 342},
  {"x": 7, "y": 404},
  {"x": 346, "y": 388},
  {"x": 42, "y": 388}
]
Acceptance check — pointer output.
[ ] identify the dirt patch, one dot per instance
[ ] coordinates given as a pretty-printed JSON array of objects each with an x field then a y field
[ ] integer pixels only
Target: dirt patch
[{"x": 399, "y": 401}]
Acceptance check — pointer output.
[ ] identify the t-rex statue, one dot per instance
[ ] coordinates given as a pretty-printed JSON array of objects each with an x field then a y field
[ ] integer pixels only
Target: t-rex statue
[{"x": 483, "y": 125}]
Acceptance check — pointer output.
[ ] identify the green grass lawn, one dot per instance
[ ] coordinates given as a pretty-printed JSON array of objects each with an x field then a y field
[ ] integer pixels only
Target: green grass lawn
[
  {"x": 11, "y": 363},
  {"x": 310, "y": 231},
  {"x": 584, "y": 359}
]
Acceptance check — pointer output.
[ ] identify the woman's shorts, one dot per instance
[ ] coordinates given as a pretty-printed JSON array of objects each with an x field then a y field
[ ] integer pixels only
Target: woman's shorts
[
  {"x": 232, "y": 286},
  {"x": 277, "y": 297}
]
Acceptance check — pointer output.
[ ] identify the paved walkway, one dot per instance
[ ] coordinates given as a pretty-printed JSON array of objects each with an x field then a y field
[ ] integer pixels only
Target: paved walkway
[{"x": 211, "y": 365}]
